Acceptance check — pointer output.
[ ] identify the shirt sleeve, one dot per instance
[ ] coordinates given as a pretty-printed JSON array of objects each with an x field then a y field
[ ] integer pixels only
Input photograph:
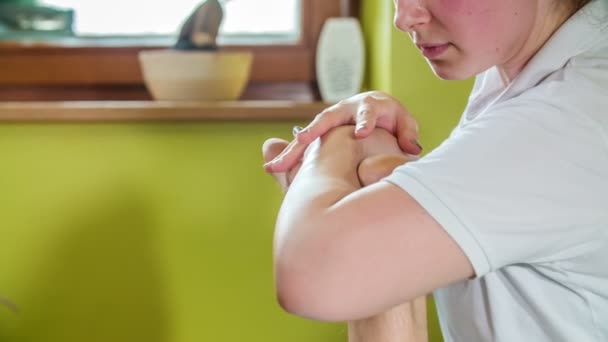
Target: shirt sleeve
[{"x": 526, "y": 182}]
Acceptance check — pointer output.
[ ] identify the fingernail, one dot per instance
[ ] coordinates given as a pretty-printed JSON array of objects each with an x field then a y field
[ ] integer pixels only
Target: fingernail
[
  {"x": 360, "y": 126},
  {"x": 415, "y": 142},
  {"x": 297, "y": 129}
]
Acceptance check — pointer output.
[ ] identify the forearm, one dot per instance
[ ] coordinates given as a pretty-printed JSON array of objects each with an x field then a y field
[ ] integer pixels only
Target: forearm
[
  {"x": 331, "y": 171},
  {"x": 327, "y": 175},
  {"x": 404, "y": 323}
]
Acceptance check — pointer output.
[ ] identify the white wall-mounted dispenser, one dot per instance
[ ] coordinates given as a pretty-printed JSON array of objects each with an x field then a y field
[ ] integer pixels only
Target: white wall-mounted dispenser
[{"x": 340, "y": 58}]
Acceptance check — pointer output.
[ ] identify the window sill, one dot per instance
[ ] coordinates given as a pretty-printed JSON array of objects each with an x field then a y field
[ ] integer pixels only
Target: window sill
[
  {"x": 266, "y": 91},
  {"x": 150, "y": 111},
  {"x": 49, "y": 65}
]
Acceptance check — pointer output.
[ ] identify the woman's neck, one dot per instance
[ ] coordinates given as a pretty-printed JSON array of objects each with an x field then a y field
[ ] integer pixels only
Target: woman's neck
[{"x": 545, "y": 27}]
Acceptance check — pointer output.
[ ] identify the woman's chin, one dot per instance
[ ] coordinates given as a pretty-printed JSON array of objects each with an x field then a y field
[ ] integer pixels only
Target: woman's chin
[{"x": 450, "y": 71}]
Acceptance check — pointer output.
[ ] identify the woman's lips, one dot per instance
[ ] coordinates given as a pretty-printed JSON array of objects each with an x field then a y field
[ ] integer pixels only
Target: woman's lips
[{"x": 431, "y": 51}]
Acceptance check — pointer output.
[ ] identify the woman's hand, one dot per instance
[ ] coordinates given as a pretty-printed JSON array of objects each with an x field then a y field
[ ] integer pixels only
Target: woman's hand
[
  {"x": 382, "y": 156},
  {"x": 367, "y": 111}
]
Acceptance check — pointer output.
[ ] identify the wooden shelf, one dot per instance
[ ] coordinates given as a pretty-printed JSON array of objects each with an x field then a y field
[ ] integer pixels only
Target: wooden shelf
[{"x": 119, "y": 111}]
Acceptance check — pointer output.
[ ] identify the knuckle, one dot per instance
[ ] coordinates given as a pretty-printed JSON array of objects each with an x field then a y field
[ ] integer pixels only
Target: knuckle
[
  {"x": 326, "y": 114},
  {"x": 318, "y": 118},
  {"x": 365, "y": 113},
  {"x": 369, "y": 100},
  {"x": 328, "y": 111}
]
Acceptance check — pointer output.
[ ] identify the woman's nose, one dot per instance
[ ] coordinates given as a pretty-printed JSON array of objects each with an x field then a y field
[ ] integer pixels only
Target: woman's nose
[{"x": 410, "y": 14}]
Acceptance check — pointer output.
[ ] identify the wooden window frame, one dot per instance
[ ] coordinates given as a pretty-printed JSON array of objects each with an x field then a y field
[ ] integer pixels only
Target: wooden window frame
[{"x": 51, "y": 72}]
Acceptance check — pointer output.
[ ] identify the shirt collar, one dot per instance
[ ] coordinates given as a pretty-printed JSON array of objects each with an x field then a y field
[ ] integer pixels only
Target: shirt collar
[{"x": 585, "y": 29}]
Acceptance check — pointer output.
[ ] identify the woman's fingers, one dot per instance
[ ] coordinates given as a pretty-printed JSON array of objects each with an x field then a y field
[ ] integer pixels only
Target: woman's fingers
[
  {"x": 287, "y": 159},
  {"x": 334, "y": 116},
  {"x": 270, "y": 149},
  {"x": 406, "y": 131},
  {"x": 365, "y": 121},
  {"x": 367, "y": 111},
  {"x": 330, "y": 118}
]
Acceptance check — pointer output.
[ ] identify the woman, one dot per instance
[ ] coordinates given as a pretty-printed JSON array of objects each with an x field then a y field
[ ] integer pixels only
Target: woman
[{"x": 506, "y": 221}]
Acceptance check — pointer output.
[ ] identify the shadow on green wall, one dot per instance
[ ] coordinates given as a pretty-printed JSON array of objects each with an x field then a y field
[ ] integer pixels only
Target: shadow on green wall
[
  {"x": 100, "y": 277},
  {"x": 141, "y": 232}
]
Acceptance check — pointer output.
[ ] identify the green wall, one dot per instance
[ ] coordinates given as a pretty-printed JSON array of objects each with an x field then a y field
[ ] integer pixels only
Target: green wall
[
  {"x": 141, "y": 232},
  {"x": 396, "y": 66}
]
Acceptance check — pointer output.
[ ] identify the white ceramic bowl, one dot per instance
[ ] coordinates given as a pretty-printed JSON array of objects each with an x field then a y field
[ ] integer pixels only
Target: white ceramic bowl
[{"x": 195, "y": 75}]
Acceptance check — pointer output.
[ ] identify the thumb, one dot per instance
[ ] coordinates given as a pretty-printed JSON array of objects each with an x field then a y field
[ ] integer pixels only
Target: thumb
[
  {"x": 270, "y": 149},
  {"x": 375, "y": 168}
]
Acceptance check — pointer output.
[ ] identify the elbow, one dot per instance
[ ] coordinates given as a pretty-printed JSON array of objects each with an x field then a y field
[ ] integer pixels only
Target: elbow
[
  {"x": 295, "y": 272},
  {"x": 292, "y": 291},
  {"x": 290, "y": 300},
  {"x": 307, "y": 289},
  {"x": 310, "y": 281},
  {"x": 298, "y": 296}
]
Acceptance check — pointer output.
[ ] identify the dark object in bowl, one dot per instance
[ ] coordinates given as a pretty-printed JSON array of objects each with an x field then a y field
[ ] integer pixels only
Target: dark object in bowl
[{"x": 200, "y": 30}]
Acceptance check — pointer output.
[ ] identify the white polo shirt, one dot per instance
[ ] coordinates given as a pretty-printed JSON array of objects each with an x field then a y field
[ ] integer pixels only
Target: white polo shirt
[{"x": 522, "y": 186}]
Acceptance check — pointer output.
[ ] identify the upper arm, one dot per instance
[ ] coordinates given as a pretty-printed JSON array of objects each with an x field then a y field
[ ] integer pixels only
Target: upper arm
[
  {"x": 382, "y": 249},
  {"x": 373, "y": 249}
]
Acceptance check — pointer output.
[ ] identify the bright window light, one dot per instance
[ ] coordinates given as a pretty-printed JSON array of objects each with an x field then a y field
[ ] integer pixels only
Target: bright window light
[{"x": 164, "y": 18}]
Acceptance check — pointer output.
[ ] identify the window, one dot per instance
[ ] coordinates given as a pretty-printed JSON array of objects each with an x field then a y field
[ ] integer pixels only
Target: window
[
  {"x": 245, "y": 21},
  {"x": 90, "y": 69}
]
